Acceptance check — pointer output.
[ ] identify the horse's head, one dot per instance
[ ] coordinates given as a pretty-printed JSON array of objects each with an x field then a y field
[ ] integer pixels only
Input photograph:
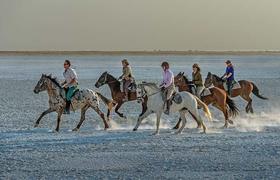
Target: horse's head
[
  {"x": 140, "y": 93},
  {"x": 146, "y": 89},
  {"x": 103, "y": 79},
  {"x": 42, "y": 84},
  {"x": 208, "y": 80},
  {"x": 179, "y": 79}
]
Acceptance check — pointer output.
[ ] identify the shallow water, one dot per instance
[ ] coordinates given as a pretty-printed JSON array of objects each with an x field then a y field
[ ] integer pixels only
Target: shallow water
[{"x": 249, "y": 148}]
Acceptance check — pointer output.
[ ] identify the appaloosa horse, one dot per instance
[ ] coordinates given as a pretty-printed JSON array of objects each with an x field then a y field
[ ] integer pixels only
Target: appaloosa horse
[
  {"x": 83, "y": 100},
  {"x": 218, "y": 98},
  {"x": 117, "y": 94},
  {"x": 245, "y": 91}
]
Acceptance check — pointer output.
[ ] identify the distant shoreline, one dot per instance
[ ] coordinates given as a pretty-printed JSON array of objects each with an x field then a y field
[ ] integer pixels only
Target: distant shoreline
[{"x": 139, "y": 53}]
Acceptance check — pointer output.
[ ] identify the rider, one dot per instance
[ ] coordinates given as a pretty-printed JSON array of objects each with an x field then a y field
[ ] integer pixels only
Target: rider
[
  {"x": 167, "y": 85},
  {"x": 70, "y": 84},
  {"x": 229, "y": 76},
  {"x": 126, "y": 77},
  {"x": 197, "y": 80}
]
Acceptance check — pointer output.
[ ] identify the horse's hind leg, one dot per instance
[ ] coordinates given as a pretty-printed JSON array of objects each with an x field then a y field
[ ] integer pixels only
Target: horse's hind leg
[
  {"x": 96, "y": 108},
  {"x": 42, "y": 115},
  {"x": 225, "y": 112},
  {"x": 197, "y": 117},
  {"x": 178, "y": 124},
  {"x": 184, "y": 121},
  {"x": 83, "y": 116},
  {"x": 199, "y": 124},
  {"x": 249, "y": 104}
]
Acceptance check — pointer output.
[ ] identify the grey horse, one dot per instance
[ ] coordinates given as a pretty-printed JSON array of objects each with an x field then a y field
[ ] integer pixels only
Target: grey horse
[{"x": 83, "y": 100}]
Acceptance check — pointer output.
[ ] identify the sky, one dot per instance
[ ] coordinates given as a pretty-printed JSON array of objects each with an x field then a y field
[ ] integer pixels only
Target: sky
[{"x": 138, "y": 25}]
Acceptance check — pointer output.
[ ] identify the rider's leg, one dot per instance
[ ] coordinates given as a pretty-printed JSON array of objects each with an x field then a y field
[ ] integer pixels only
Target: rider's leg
[
  {"x": 68, "y": 99},
  {"x": 229, "y": 87}
]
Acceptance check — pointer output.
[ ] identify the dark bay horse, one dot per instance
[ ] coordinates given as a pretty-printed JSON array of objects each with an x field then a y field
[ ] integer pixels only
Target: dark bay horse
[
  {"x": 218, "y": 98},
  {"x": 116, "y": 93},
  {"x": 245, "y": 91}
]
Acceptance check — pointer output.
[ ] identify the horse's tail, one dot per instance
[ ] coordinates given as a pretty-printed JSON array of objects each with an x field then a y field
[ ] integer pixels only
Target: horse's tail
[
  {"x": 205, "y": 108},
  {"x": 257, "y": 93},
  {"x": 233, "y": 110},
  {"x": 109, "y": 102}
]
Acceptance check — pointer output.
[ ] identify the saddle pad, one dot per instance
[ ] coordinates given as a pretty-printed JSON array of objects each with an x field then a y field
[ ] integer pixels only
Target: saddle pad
[
  {"x": 177, "y": 98},
  {"x": 205, "y": 92},
  {"x": 235, "y": 85}
]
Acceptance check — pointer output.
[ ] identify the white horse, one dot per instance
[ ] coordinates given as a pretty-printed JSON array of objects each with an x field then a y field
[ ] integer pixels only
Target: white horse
[{"x": 155, "y": 104}]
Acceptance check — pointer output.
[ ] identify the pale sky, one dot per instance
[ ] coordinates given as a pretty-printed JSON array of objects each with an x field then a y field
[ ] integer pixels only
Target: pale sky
[{"x": 122, "y": 25}]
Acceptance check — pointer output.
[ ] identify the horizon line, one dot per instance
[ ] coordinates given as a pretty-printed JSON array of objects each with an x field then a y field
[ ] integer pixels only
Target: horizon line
[{"x": 148, "y": 52}]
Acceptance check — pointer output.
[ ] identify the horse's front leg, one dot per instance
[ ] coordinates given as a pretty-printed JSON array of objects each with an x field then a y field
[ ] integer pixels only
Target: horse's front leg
[
  {"x": 178, "y": 124},
  {"x": 140, "y": 118},
  {"x": 117, "y": 108},
  {"x": 158, "y": 123},
  {"x": 59, "y": 113},
  {"x": 42, "y": 115}
]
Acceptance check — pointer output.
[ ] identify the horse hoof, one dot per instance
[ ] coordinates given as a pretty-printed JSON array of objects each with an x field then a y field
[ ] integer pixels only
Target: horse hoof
[
  {"x": 175, "y": 127},
  {"x": 134, "y": 129},
  {"x": 75, "y": 129},
  {"x": 36, "y": 125},
  {"x": 156, "y": 133},
  {"x": 178, "y": 132}
]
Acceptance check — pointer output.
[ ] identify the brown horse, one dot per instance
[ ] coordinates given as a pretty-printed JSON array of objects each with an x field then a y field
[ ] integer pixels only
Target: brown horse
[
  {"x": 245, "y": 91},
  {"x": 218, "y": 98},
  {"x": 117, "y": 95}
]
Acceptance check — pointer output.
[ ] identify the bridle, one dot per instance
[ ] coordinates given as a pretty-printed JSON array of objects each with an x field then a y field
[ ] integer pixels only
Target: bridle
[{"x": 144, "y": 94}]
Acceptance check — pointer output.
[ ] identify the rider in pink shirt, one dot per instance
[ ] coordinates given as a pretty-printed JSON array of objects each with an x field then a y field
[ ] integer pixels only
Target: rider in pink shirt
[{"x": 167, "y": 85}]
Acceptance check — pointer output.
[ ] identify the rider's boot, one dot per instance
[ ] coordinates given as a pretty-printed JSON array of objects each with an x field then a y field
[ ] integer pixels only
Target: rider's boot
[{"x": 67, "y": 108}]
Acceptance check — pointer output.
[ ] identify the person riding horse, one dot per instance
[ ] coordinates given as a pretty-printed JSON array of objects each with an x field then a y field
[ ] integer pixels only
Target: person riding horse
[
  {"x": 70, "y": 84},
  {"x": 197, "y": 80},
  {"x": 126, "y": 77},
  {"x": 229, "y": 76},
  {"x": 167, "y": 85}
]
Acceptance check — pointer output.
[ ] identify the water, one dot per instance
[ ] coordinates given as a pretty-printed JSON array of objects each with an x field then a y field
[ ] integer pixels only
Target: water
[{"x": 251, "y": 145}]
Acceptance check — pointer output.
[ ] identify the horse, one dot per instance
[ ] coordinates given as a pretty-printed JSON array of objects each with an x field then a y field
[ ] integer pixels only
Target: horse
[
  {"x": 247, "y": 87},
  {"x": 218, "y": 98},
  {"x": 116, "y": 93},
  {"x": 155, "y": 104},
  {"x": 82, "y": 99}
]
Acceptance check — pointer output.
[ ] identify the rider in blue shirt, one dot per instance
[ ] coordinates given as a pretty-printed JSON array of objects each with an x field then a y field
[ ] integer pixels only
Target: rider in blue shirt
[{"x": 229, "y": 76}]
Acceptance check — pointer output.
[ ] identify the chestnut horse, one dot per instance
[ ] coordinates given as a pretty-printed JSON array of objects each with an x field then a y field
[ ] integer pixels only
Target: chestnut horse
[
  {"x": 218, "y": 98},
  {"x": 117, "y": 95},
  {"x": 245, "y": 91}
]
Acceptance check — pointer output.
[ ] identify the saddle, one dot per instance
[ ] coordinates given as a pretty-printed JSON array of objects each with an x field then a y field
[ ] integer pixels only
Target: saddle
[
  {"x": 205, "y": 92},
  {"x": 132, "y": 87},
  {"x": 235, "y": 85}
]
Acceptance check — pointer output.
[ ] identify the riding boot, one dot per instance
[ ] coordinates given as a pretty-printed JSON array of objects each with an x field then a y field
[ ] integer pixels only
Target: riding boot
[
  {"x": 167, "y": 107},
  {"x": 67, "y": 107}
]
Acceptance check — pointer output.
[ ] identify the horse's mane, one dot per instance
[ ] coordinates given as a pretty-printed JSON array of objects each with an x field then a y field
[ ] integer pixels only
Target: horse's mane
[
  {"x": 151, "y": 85},
  {"x": 217, "y": 77},
  {"x": 54, "y": 80},
  {"x": 115, "y": 79},
  {"x": 185, "y": 79}
]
